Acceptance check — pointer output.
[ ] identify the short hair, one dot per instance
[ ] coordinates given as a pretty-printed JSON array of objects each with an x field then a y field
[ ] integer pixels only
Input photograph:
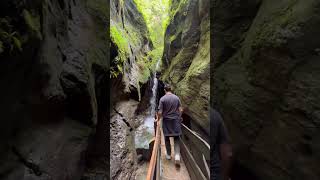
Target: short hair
[{"x": 167, "y": 87}]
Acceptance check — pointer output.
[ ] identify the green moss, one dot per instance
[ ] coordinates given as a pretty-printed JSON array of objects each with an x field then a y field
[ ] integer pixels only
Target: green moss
[
  {"x": 133, "y": 35},
  {"x": 99, "y": 7},
  {"x": 119, "y": 39},
  {"x": 285, "y": 19},
  {"x": 176, "y": 7},
  {"x": 155, "y": 14},
  {"x": 33, "y": 23}
]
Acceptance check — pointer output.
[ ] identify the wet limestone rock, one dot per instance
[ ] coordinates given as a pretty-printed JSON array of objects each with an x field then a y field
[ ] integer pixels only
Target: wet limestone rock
[
  {"x": 186, "y": 59},
  {"x": 123, "y": 155},
  {"x": 52, "y": 80},
  {"x": 130, "y": 73},
  {"x": 130, "y": 43},
  {"x": 266, "y": 82}
]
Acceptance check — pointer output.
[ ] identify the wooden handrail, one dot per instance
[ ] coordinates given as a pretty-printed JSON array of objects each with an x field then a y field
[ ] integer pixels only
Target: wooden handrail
[{"x": 155, "y": 151}]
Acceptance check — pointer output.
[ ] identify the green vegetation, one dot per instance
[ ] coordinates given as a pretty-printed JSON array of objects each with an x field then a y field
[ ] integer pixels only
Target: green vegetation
[
  {"x": 120, "y": 39},
  {"x": 130, "y": 39},
  {"x": 100, "y": 8},
  {"x": 33, "y": 23},
  {"x": 156, "y": 16},
  {"x": 9, "y": 39},
  {"x": 176, "y": 7}
]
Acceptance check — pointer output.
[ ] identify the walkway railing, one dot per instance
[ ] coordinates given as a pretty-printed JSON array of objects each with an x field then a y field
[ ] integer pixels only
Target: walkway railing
[
  {"x": 154, "y": 166},
  {"x": 195, "y": 153}
]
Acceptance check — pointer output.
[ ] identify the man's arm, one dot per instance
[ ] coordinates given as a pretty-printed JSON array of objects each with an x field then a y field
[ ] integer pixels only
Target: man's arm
[
  {"x": 159, "y": 113},
  {"x": 225, "y": 152},
  {"x": 226, "y": 158}
]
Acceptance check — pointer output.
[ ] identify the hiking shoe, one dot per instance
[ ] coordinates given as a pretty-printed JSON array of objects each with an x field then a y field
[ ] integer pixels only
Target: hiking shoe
[
  {"x": 168, "y": 157},
  {"x": 177, "y": 160}
]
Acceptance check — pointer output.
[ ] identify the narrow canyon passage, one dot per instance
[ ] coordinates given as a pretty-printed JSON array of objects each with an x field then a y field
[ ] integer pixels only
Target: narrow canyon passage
[
  {"x": 155, "y": 43},
  {"x": 82, "y": 77}
]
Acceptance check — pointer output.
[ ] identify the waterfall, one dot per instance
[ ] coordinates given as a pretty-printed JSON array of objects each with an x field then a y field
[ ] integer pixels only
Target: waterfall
[
  {"x": 145, "y": 132},
  {"x": 152, "y": 110},
  {"x": 154, "y": 92}
]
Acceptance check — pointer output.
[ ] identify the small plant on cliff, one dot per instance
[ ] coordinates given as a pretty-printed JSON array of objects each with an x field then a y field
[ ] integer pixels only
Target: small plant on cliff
[
  {"x": 9, "y": 39},
  {"x": 118, "y": 37}
]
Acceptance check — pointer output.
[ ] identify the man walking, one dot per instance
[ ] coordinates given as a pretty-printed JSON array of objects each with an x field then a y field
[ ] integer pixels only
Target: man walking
[{"x": 170, "y": 111}]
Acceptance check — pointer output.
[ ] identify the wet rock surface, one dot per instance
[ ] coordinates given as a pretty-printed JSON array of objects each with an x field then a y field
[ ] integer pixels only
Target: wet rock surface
[
  {"x": 130, "y": 44},
  {"x": 123, "y": 157},
  {"x": 50, "y": 89},
  {"x": 265, "y": 81},
  {"x": 186, "y": 59}
]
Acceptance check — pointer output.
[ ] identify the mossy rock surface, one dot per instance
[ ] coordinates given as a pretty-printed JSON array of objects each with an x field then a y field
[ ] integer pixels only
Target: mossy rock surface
[
  {"x": 186, "y": 60},
  {"x": 265, "y": 80}
]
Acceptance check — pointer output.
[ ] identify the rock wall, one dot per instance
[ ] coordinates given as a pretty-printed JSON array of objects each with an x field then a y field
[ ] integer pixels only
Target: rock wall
[
  {"x": 130, "y": 44},
  {"x": 53, "y": 73},
  {"x": 186, "y": 59},
  {"x": 266, "y": 81}
]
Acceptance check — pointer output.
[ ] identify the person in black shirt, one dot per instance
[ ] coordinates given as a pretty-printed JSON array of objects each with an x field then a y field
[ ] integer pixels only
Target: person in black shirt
[{"x": 221, "y": 151}]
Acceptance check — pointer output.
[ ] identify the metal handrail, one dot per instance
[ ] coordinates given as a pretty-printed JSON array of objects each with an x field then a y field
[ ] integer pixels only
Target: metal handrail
[
  {"x": 198, "y": 170},
  {"x": 196, "y": 153}
]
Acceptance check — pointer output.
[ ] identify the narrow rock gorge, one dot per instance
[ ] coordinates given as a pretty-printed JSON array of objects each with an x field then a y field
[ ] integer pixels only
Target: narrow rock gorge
[
  {"x": 68, "y": 89},
  {"x": 136, "y": 48},
  {"x": 266, "y": 83},
  {"x": 130, "y": 44},
  {"x": 181, "y": 48},
  {"x": 186, "y": 60}
]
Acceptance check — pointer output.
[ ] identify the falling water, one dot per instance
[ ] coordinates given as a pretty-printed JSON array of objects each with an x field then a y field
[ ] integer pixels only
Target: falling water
[
  {"x": 145, "y": 132},
  {"x": 149, "y": 121},
  {"x": 154, "y": 92}
]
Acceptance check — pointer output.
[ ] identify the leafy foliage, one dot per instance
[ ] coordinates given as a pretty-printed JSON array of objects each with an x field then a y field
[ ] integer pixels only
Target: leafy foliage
[
  {"x": 9, "y": 39},
  {"x": 156, "y": 15},
  {"x": 33, "y": 23},
  {"x": 120, "y": 39}
]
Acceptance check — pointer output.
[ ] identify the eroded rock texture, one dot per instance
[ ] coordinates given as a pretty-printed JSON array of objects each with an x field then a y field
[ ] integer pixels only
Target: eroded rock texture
[
  {"x": 186, "y": 59},
  {"x": 130, "y": 45},
  {"x": 53, "y": 89},
  {"x": 266, "y": 82}
]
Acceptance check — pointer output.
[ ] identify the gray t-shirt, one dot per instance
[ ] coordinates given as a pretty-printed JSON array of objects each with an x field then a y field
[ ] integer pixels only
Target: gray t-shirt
[{"x": 169, "y": 106}]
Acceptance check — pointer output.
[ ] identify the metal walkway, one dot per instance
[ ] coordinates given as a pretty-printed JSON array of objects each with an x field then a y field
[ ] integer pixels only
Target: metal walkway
[
  {"x": 168, "y": 169},
  {"x": 195, "y": 154}
]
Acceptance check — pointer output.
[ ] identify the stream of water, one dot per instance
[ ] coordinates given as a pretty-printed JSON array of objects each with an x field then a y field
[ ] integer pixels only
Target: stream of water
[{"x": 145, "y": 132}]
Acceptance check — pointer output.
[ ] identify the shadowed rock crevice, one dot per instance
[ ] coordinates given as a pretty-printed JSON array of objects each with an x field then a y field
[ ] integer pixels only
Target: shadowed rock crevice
[{"x": 50, "y": 104}]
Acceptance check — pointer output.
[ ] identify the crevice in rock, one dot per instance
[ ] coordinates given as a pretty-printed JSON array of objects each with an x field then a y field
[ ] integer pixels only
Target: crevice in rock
[
  {"x": 61, "y": 4},
  {"x": 70, "y": 12},
  {"x": 124, "y": 119},
  {"x": 34, "y": 167}
]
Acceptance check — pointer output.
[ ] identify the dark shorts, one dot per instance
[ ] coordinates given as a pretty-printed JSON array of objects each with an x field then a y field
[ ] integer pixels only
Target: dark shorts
[{"x": 171, "y": 127}]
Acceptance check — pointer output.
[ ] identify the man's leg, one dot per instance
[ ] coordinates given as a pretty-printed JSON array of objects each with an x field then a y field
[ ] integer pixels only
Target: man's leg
[
  {"x": 168, "y": 146},
  {"x": 177, "y": 150}
]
